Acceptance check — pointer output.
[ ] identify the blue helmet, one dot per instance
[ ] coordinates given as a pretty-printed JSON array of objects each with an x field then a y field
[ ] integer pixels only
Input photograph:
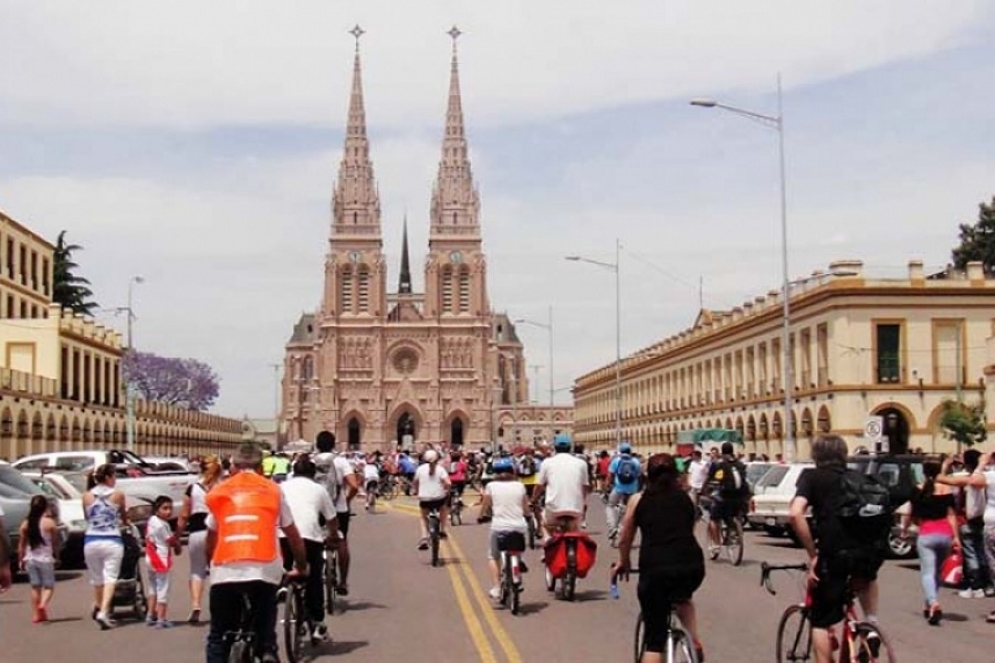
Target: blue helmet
[
  {"x": 562, "y": 442},
  {"x": 625, "y": 448},
  {"x": 504, "y": 465}
]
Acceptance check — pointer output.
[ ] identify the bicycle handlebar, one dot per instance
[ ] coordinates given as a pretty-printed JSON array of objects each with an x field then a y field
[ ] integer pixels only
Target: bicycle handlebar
[{"x": 765, "y": 570}]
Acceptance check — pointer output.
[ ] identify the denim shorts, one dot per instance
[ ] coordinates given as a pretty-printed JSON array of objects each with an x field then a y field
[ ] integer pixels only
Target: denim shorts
[{"x": 41, "y": 574}]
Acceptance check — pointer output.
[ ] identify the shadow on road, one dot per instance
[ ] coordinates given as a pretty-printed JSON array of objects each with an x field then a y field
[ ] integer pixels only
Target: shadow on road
[
  {"x": 533, "y": 608},
  {"x": 363, "y": 605},
  {"x": 343, "y": 647},
  {"x": 61, "y": 620}
]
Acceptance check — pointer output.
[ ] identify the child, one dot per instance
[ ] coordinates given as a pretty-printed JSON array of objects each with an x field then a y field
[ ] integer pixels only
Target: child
[
  {"x": 38, "y": 548},
  {"x": 160, "y": 543}
]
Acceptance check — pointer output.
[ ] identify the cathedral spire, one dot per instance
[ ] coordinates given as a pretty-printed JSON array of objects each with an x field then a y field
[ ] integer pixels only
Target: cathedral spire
[
  {"x": 455, "y": 204},
  {"x": 356, "y": 201},
  {"x": 404, "y": 285}
]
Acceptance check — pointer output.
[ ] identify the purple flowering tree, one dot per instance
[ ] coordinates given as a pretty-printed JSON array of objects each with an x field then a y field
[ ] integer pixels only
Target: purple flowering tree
[{"x": 186, "y": 383}]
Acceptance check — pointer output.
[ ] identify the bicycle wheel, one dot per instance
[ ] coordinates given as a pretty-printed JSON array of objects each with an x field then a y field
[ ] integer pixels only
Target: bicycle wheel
[
  {"x": 683, "y": 648},
  {"x": 293, "y": 616},
  {"x": 240, "y": 652},
  {"x": 640, "y": 641},
  {"x": 331, "y": 580},
  {"x": 548, "y": 577},
  {"x": 794, "y": 636},
  {"x": 870, "y": 645},
  {"x": 530, "y": 521},
  {"x": 434, "y": 538},
  {"x": 732, "y": 540}
]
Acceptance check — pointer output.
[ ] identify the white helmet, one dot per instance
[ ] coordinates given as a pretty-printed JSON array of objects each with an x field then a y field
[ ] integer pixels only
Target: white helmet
[{"x": 431, "y": 456}]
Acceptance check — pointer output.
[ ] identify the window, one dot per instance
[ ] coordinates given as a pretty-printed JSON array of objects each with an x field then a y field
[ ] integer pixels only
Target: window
[
  {"x": 44, "y": 277},
  {"x": 888, "y": 337},
  {"x": 34, "y": 270},
  {"x": 10, "y": 259},
  {"x": 24, "y": 309},
  {"x": 464, "y": 291},
  {"x": 447, "y": 290},
  {"x": 22, "y": 260},
  {"x": 822, "y": 354},
  {"x": 345, "y": 292},
  {"x": 364, "y": 290},
  {"x": 948, "y": 351}
]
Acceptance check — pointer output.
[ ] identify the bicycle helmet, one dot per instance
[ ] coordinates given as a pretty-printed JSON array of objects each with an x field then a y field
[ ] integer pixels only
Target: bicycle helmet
[
  {"x": 562, "y": 442},
  {"x": 504, "y": 465},
  {"x": 625, "y": 448}
]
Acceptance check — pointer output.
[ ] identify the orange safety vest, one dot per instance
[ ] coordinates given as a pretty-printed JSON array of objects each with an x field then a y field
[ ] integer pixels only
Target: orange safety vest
[{"x": 246, "y": 509}]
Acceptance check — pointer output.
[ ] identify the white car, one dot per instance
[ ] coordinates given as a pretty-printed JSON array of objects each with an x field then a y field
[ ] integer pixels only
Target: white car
[{"x": 772, "y": 497}]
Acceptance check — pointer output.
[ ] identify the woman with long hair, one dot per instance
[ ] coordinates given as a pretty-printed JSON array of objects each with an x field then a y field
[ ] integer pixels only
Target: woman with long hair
[
  {"x": 103, "y": 547},
  {"x": 671, "y": 564},
  {"x": 933, "y": 510},
  {"x": 38, "y": 549},
  {"x": 193, "y": 519}
]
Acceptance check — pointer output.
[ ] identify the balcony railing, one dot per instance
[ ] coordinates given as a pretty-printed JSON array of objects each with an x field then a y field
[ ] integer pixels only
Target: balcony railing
[{"x": 26, "y": 383}]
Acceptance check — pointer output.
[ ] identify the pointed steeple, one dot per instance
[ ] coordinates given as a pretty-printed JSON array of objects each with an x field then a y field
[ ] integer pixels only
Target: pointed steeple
[
  {"x": 404, "y": 285},
  {"x": 356, "y": 200},
  {"x": 455, "y": 203}
]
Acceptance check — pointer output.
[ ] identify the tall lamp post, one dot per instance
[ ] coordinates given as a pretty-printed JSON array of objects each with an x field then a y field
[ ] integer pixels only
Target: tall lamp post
[
  {"x": 614, "y": 266},
  {"x": 548, "y": 326},
  {"x": 129, "y": 393},
  {"x": 776, "y": 122}
]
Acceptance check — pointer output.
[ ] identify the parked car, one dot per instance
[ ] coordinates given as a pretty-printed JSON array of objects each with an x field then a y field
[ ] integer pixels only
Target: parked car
[
  {"x": 15, "y": 500},
  {"x": 772, "y": 497},
  {"x": 168, "y": 464},
  {"x": 755, "y": 470}
]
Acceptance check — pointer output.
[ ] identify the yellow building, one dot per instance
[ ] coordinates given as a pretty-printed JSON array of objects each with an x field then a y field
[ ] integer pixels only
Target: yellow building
[
  {"x": 26, "y": 271},
  {"x": 860, "y": 346}
]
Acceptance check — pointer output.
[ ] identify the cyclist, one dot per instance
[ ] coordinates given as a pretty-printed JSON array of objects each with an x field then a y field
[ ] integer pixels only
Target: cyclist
[
  {"x": 839, "y": 557},
  {"x": 728, "y": 489},
  {"x": 564, "y": 481},
  {"x": 431, "y": 485},
  {"x": 623, "y": 482},
  {"x": 308, "y": 502},
  {"x": 371, "y": 480},
  {"x": 458, "y": 472},
  {"x": 276, "y": 467},
  {"x": 506, "y": 500},
  {"x": 245, "y": 512},
  {"x": 342, "y": 485},
  {"x": 671, "y": 565}
]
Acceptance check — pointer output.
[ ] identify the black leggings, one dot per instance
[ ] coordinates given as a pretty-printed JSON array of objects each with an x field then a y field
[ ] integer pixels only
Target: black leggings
[{"x": 658, "y": 592}]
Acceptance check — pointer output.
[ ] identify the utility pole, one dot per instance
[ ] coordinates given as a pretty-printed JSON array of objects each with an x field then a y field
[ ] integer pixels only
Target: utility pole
[{"x": 276, "y": 405}]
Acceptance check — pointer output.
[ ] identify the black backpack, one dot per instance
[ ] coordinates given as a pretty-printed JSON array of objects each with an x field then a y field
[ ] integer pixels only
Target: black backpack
[
  {"x": 864, "y": 507},
  {"x": 733, "y": 483}
]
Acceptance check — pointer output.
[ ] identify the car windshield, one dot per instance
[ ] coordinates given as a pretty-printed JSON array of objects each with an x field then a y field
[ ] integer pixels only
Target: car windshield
[
  {"x": 74, "y": 463},
  {"x": 77, "y": 479},
  {"x": 55, "y": 489},
  {"x": 17, "y": 482},
  {"x": 773, "y": 476},
  {"x": 756, "y": 471}
]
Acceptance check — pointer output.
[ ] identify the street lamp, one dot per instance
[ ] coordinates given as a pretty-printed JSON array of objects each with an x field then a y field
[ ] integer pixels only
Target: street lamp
[
  {"x": 129, "y": 393},
  {"x": 618, "y": 333},
  {"x": 549, "y": 329},
  {"x": 776, "y": 122}
]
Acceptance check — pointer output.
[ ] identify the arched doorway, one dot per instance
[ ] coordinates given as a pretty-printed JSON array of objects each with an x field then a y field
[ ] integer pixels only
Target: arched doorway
[
  {"x": 456, "y": 433},
  {"x": 406, "y": 430},
  {"x": 896, "y": 429},
  {"x": 354, "y": 434}
]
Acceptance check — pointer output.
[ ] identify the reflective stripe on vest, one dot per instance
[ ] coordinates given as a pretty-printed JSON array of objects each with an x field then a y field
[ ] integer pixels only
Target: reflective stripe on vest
[{"x": 246, "y": 508}]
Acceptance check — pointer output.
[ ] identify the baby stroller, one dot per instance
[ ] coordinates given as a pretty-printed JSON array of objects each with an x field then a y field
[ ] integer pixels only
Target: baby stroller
[{"x": 129, "y": 592}]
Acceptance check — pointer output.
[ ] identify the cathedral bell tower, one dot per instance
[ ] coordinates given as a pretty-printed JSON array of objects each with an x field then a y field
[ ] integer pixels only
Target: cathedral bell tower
[
  {"x": 355, "y": 274},
  {"x": 455, "y": 273}
]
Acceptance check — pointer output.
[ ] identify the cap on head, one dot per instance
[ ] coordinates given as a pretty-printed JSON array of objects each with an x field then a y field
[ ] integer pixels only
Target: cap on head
[
  {"x": 562, "y": 442},
  {"x": 431, "y": 456},
  {"x": 625, "y": 448},
  {"x": 727, "y": 449}
]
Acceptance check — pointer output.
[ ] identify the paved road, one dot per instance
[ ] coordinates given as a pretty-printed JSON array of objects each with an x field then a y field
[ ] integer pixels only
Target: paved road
[{"x": 403, "y": 609}]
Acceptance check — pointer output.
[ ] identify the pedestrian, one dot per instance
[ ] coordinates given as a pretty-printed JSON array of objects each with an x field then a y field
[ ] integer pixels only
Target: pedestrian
[
  {"x": 933, "y": 510},
  {"x": 671, "y": 563},
  {"x": 971, "y": 505},
  {"x": 103, "y": 547},
  {"x": 160, "y": 544},
  {"x": 38, "y": 549},
  {"x": 193, "y": 519}
]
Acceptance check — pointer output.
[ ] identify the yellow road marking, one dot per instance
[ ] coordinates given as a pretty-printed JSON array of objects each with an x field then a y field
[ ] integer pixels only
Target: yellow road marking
[{"x": 485, "y": 607}]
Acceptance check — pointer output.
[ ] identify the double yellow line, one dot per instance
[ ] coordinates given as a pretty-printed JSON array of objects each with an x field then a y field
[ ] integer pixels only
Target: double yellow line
[{"x": 465, "y": 586}]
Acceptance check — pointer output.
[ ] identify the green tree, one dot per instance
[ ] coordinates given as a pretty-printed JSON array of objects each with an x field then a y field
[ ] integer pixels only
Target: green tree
[
  {"x": 977, "y": 241},
  {"x": 68, "y": 289},
  {"x": 964, "y": 422}
]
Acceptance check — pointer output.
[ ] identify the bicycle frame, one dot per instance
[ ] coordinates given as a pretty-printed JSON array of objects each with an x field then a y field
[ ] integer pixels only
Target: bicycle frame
[{"x": 675, "y": 633}]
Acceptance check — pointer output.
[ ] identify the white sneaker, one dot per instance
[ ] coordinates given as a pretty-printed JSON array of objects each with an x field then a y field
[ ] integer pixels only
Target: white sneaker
[
  {"x": 320, "y": 633},
  {"x": 494, "y": 593},
  {"x": 971, "y": 593}
]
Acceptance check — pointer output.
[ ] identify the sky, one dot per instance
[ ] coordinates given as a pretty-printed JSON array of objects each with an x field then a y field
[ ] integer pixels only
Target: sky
[{"x": 196, "y": 144}]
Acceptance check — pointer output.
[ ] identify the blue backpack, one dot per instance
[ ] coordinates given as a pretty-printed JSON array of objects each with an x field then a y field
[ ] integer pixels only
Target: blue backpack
[{"x": 627, "y": 471}]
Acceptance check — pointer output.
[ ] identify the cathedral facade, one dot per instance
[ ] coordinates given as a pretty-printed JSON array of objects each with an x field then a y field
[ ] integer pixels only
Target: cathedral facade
[{"x": 381, "y": 368}]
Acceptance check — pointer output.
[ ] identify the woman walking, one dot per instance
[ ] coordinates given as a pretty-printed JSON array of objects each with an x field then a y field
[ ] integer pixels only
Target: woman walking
[
  {"x": 103, "y": 547},
  {"x": 671, "y": 564},
  {"x": 933, "y": 510},
  {"x": 193, "y": 519},
  {"x": 39, "y": 548}
]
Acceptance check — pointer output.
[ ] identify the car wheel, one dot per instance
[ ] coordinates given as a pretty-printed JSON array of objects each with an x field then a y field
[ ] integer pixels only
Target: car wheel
[{"x": 899, "y": 547}]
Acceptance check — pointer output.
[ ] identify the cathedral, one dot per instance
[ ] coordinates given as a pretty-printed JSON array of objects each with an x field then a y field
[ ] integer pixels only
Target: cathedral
[{"x": 382, "y": 368}]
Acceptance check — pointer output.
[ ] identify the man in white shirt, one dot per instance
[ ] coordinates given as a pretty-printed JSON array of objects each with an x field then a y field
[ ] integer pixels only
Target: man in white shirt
[
  {"x": 431, "y": 485},
  {"x": 308, "y": 502},
  {"x": 697, "y": 474},
  {"x": 564, "y": 480}
]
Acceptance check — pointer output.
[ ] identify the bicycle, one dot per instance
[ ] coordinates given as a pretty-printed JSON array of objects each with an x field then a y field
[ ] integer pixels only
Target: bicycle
[
  {"x": 511, "y": 545},
  {"x": 455, "y": 508},
  {"x": 297, "y": 625},
  {"x": 372, "y": 487},
  {"x": 331, "y": 577},
  {"x": 242, "y": 644},
  {"x": 568, "y": 585},
  {"x": 532, "y": 524},
  {"x": 388, "y": 489},
  {"x": 730, "y": 538},
  {"x": 863, "y": 642},
  {"x": 434, "y": 535},
  {"x": 678, "y": 646}
]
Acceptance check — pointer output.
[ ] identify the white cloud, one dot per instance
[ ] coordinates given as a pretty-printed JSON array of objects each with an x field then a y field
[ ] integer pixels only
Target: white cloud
[{"x": 189, "y": 63}]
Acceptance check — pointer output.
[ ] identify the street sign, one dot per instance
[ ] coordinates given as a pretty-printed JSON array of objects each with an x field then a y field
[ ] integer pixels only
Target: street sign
[{"x": 874, "y": 433}]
